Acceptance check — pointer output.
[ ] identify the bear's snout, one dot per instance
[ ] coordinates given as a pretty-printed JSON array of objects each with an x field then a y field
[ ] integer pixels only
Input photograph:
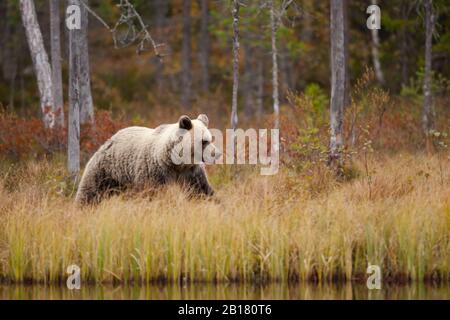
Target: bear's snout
[
  {"x": 216, "y": 153},
  {"x": 211, "y": 154}
]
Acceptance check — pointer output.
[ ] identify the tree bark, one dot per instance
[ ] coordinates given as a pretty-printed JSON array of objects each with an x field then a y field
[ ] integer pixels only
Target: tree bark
[
  {"x": 204, "y": 45},
  {"x": 73, "y": 145},
  {"x": 276, "y": 101},
  {"x": 55, "y": 44},
  {"x": 376, "y": 54},
  {"x": 186, "y": 65},
  {"x": 86, "y": 103},
  {"x": 235, "y": 16},
  {"x": 338, "y": 80},
  {"x": 347, "y": 67},
  {"x": 40, "y": 61},
  {"x": 427, "y": 116}
]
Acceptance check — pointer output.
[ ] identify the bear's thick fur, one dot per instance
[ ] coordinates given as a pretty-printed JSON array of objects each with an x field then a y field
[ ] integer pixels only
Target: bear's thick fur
[{"x": 137, "y": 158}]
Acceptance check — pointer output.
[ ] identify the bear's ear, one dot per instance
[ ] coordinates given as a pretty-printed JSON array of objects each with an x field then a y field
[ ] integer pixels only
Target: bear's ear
[
  {"x": 185, "y": 123},
  {"x": 203, "y": 118}
]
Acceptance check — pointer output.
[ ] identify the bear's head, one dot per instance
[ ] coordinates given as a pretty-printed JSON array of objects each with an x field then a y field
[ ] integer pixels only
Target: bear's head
[{"x": 195, "y": 144}]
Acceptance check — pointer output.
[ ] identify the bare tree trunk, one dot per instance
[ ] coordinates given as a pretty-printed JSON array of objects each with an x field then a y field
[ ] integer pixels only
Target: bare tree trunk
[
  {"x": 73, "y": 145},
  {"x": 276, "y": 101},
  {"x": 186, "y": 65},
  {"x": 427, "y": 117},
  {"x": 347, "y": 70},
  {"x": 375, "y": 54},
  {"x": 40, "y": 61},
  {"x": 55, "y": 43},
  {"x": 204, "y": 45},
  {"x": 86, "y": 103},
  {"x": 338, "y": 80},
  {"x": 235, "y": 15}
]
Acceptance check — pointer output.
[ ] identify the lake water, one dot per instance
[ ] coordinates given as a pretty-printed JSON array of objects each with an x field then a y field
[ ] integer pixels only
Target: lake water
[{"x": 227, "y": 291}]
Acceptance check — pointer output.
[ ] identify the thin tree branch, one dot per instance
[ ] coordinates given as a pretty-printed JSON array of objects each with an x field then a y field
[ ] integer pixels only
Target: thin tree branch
[{"x": 128, "y": 15}]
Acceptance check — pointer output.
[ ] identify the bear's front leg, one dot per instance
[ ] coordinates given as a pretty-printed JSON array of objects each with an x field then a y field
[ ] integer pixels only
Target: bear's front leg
[{"x": 198, "y": 182}]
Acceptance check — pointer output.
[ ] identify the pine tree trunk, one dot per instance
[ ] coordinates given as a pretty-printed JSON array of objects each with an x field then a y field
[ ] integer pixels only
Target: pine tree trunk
[
  {"x": 40, "y": 61},
  {"x": 276, "y": 102},
  {"x": 73, "y": 145},
  {"x": 204, "y": 45},
  {"x": 338, "y": 80},
  {"x": 186, "y": 65},
  {"x": 376, "y": 54},
  {"x": 55, "y": 43},
  {"x": 86, "y": 103},
  {"x": 235, "y": 16},
  {"x": 427, "y": 116}
]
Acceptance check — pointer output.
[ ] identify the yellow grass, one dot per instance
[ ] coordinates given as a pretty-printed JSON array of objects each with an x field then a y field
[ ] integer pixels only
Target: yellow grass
[{"x": 257, "y": 229}]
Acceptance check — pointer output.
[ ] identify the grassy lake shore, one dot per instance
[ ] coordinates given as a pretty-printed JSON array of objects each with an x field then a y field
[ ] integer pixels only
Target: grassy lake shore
[{"x": 258, "y": 228}]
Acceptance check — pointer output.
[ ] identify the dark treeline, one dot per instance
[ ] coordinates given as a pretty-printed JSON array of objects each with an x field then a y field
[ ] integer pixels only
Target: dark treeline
[
  {"x": 198, "y": 47},
  {"x": 286, "y": 64}
]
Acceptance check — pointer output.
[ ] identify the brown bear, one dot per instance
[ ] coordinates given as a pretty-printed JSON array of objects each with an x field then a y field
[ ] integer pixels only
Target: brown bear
[{"x": 137, "y": 158}]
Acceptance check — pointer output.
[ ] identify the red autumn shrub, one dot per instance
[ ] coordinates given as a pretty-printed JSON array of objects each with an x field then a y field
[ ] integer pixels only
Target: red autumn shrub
[{"x": 22, "y": 138}]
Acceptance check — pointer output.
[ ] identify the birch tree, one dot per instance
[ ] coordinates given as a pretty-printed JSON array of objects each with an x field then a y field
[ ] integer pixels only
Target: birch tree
[
  {"x": 276, "y": 101},
  {"x": 347, "y": 67},
  {"x": 376, "y": 53},
  {"x": 338, "y": 80},
  {"x": 275, "y": 20},
  {"x": 86, "y": 103},
  {"x": 427, "y": 113},
  {"x": 234, "y": 101},
  {"x": 73, "y": 145},
  {"x": 55, "y": 44},
  {"x": 40, "y": 61}
]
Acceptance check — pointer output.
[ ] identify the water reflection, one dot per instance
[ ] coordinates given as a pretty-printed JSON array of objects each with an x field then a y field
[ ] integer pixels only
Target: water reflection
[{"x": 227, "y": 291}]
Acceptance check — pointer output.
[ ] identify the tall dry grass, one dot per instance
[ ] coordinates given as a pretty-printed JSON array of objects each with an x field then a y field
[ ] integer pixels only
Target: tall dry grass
[{"x": 256, "y": 229}]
